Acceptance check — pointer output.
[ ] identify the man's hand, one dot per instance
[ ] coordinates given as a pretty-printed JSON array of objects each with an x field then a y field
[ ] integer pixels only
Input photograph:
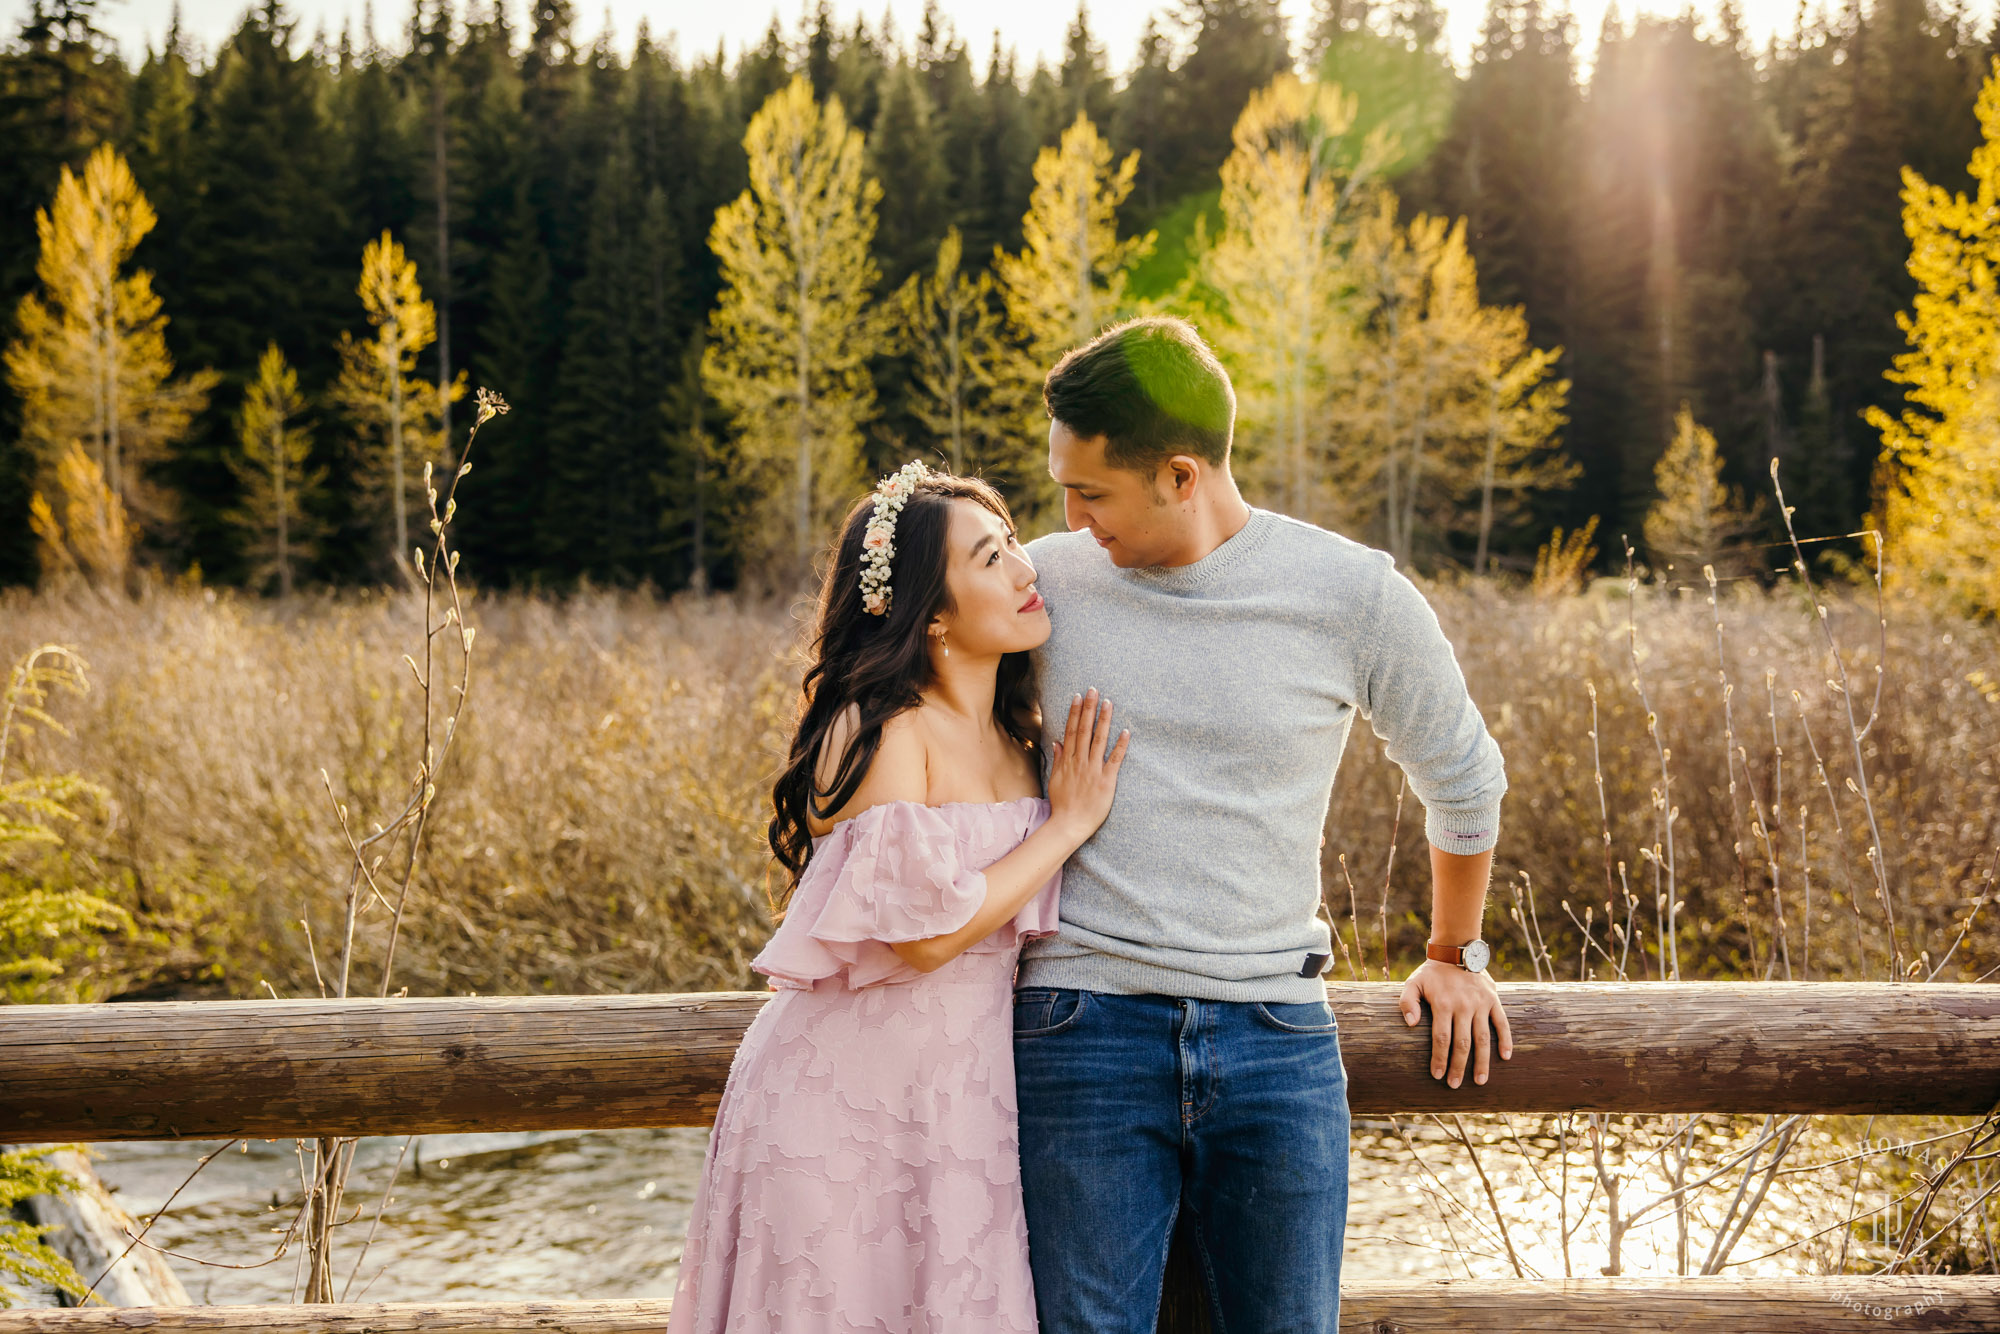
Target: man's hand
[{"x": 1465, "y": 1010}]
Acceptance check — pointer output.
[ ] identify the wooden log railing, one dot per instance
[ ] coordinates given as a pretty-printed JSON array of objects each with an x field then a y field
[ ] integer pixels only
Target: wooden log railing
[
  {"x": 271, "y": 1069},
  {"x": 274, "y": 1069}
]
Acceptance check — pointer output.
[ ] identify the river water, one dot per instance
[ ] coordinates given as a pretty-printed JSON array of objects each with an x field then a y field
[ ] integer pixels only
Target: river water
[{"x": 602, "y": 1215}]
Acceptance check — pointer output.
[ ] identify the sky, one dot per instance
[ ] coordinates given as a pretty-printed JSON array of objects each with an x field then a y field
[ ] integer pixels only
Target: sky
[{"x": 1034, "y": 28}]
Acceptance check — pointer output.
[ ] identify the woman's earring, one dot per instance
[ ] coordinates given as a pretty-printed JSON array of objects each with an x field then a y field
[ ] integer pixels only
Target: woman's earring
[{"x": 941, "y": 644}]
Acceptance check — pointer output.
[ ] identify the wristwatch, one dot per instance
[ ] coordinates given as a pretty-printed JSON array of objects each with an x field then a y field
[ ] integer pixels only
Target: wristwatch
[{"x": 1471, "y": 956}]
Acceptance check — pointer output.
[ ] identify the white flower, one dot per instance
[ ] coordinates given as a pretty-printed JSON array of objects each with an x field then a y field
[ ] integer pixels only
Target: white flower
[{"x": 878, "y": 545}]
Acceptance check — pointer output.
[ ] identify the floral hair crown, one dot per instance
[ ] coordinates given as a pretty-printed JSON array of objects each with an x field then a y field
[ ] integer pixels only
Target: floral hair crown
[{"x": 878, "y": 546}]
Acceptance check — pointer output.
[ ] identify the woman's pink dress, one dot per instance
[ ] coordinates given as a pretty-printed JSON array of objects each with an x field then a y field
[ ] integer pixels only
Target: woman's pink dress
[{"x": 864, "y": 1170}]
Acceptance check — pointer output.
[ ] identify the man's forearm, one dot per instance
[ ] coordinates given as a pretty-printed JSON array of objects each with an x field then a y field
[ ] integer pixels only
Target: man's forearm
[{"x": 1458, "y": 895}]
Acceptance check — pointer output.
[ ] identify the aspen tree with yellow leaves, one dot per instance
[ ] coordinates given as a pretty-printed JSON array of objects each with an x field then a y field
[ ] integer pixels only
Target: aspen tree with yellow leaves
[
  {"x": 90, "y": 360},
  {"x": 952, "y": 330},
  {"x": 1698, "y": 519},
  {"x": 92, "y": 539},
  {"x": 1068, "y": 282},
  {"x": 1939, "y": 473},
  {"x": 1446, "y": 411},
  {"x": 1522, "y": 419},
  {"x": 1413, "y": 353},
  {"x": 1401, "y": 370},
  {"x": 270, "y": 468},
  {"x": 793, "y": 330},
  {"x": 400, "y": 413},
  {"x": 1292, "y": 191}
]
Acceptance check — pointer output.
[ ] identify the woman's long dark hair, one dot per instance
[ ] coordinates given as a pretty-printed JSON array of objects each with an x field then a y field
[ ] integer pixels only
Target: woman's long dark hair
[{"x": 879, "y": 663}]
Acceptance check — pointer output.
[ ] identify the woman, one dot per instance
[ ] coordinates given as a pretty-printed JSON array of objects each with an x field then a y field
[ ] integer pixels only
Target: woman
[{"x": 863, "y": 1173}]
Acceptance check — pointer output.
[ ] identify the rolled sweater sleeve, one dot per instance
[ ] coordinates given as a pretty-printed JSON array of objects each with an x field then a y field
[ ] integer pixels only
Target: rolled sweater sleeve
[{"x": 1414, "y": 697}]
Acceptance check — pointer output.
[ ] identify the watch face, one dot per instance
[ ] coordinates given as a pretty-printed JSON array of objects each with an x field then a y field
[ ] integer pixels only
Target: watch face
[{"x": 1476, "y": 956}]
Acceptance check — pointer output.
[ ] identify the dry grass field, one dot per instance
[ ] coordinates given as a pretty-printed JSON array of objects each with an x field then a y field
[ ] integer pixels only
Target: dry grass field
[{"x": 599, "y": 821}]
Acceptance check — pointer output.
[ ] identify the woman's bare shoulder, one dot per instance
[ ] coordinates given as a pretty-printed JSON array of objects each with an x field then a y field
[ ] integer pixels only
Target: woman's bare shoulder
[{"x": 900, "y": 770}]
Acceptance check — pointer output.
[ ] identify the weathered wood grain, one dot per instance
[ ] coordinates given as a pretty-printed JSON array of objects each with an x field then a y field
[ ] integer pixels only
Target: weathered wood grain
[
  {"x": 1591, "y": 1306},
  {"x": 272, "y": 1069}
]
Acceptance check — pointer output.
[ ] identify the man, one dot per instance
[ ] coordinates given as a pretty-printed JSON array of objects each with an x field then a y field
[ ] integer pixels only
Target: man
[{"x": 1173, "y": 1046}]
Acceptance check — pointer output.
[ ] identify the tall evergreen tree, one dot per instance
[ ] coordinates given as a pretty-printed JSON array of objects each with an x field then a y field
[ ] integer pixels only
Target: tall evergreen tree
[
  {"x": 268, "y": 250},
  {"x": 1393, "y": 60},
  {"x": 1238, "y": 47},
  {"x": 377, "y": 133},
  {"x": 905, "y": 153},
  {"x": 1142, "y": 123},
  {"x": 610, "y": 437},
  {"x": 1508, "y": 166},
  {"x": 62, "y": 92},
  {"x": 1084, "y": 81}
]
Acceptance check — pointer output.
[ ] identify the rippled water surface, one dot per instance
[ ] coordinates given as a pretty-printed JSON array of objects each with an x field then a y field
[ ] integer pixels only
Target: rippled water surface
[{"x": 474, "y": 1217}]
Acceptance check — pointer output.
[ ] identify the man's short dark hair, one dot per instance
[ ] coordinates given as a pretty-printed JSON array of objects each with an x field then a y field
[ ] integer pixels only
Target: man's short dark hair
[{"x": 1152, "y": 388}]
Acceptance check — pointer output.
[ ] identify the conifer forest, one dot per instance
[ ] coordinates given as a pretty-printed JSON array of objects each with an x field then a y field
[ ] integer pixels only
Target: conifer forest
[{"x": 1591, "y": 276}]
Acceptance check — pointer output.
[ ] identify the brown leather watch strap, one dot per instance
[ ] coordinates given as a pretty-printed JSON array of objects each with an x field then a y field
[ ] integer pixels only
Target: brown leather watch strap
[{"x": 1452, "y": 954}]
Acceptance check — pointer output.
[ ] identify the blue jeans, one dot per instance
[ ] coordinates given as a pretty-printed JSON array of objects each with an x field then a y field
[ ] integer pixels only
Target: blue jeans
[{"x": 1134, "y": 1108}]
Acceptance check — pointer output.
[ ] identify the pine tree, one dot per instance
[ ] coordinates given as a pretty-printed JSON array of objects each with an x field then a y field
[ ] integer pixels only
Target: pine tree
[
  {"x": 62, "y": 92},
  {"x": 793, "y": 332},
  {"x": 1866, "y": 92},
  {"x": 163, "y": 158},
  {"x": 1085, "y": 84},
  {"x": 1816, "y": 476},
  {"x": 91, "y": 361},
  {"x": 1698, "y": 519},
  {"x": 1939, "y": 472},
  {"x": 277, "y": 486},
  {"x": 1143, "y": 121},
  {"x": 1278, "y": 278},
  {"x": 378, "y": 139},
  {"x": 1393, "y": 60},
  {"x": 1680, "y": 184},
  {"x": 952, "y": 330},
  {"x": 764, "y": 71},
  {"x": 610, "y": 439},
  {"x": 1006, "y": 146},
  {"x": 397, "y": 412},
  {"x": 1239, "y": 46},
  {"x": 264, "y": 256},
  {"x": 268, "y": 253},
  {"x": 905, "y": 154}
]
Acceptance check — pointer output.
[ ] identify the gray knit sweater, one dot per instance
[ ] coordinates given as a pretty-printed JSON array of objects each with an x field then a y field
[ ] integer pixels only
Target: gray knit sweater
[{"x": 1240, "y": 676}]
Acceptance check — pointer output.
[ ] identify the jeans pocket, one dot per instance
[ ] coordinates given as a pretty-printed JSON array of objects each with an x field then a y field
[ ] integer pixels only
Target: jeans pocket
[
  {"x": 1302, "y": 1017},
  {"x": 1041, "y": 1012}
]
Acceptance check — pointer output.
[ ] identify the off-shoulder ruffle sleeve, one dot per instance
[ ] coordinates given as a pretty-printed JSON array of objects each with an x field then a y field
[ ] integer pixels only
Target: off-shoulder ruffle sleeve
[{"x": 898, "y": 872}]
